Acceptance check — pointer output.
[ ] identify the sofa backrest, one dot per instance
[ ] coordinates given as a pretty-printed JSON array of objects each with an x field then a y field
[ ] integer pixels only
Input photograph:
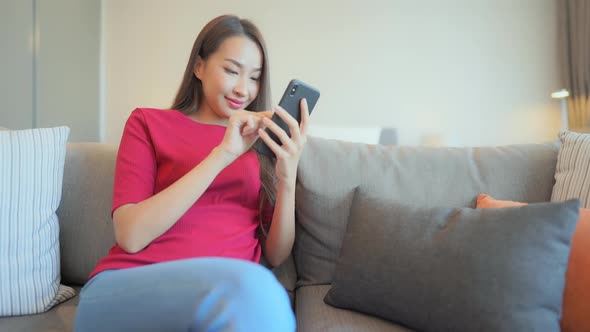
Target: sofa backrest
[
  {"x": 86, "y": 230},
  {"x": 330, "y": 170},
  {"x": 328, "y": 174}
]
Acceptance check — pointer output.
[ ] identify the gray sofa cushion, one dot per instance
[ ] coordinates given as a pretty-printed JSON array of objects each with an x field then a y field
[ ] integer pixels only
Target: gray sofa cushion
[
  {"x": 59, "y": 319},
  {"x": 86, "y": 230},
  {"x": 445, "y": 269},
  {"x": 330, "y": 170},
  {"x": 314, "y": 315}
]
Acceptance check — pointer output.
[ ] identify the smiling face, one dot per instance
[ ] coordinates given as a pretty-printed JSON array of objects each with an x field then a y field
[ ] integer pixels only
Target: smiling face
[{"x": 230, "y": 79}]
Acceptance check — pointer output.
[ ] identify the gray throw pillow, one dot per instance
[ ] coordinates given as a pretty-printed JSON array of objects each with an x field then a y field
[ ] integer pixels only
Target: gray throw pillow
[{"x": 455, "y": 269}]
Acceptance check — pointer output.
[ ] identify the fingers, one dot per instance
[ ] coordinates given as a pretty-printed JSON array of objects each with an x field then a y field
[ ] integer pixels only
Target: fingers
[
  {"x": 278, "y": 151},
  {"x": 281, "y": 134},
  {"x": 250, "y": 126},
  {"x": 261, "y": 114},
  {"x": 291, "y": 122},
  {"x": 304, "y": 116},
  {"x": 249, "y": 122},
  {"x": 266, "y": 114}
]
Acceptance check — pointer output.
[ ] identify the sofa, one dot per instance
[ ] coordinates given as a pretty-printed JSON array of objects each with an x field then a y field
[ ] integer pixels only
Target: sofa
[{"x": 329, "y": 173}]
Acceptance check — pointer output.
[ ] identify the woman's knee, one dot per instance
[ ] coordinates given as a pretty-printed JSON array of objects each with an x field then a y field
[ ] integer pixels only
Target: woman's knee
[
  {"x": 260, "y": 280},
  {"x": 269, "y": 298},
  {"x": 250, "y": 297}
]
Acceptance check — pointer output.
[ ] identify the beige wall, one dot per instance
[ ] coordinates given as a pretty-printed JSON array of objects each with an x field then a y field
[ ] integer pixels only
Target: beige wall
[
  {"x": 67, "y": 91},
  {"x": 456, "y": 72},
  {"x": 49, "y": 65},
  {"x": 16, "y": 64}
]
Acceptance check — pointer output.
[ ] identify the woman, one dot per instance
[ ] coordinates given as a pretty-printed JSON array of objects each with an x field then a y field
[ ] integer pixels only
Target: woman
[{"x": 194, "y": 206}]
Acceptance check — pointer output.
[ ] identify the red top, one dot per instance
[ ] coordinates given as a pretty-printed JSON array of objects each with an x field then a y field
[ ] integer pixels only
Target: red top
[{"x": 157, "y": 148}]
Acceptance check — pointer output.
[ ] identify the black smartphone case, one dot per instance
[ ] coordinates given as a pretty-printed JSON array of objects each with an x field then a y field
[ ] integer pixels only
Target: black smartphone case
[{"x": 296, "y": 90}]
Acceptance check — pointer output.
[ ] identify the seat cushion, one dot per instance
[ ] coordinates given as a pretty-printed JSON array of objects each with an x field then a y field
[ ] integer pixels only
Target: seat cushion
[
  {"x": 314, "y": 315},
  {"x": 59, "y": 319}
]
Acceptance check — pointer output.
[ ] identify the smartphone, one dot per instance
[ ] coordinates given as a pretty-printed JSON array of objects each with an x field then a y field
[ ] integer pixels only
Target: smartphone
[{"x": 290, "y": 101}]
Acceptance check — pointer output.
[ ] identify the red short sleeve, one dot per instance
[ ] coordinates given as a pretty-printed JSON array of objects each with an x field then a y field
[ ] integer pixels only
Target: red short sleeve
[{"x": 135, "y": 169}]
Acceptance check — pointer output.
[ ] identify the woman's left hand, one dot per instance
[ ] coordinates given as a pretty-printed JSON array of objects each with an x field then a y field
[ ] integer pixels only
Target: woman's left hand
[{"x": 289, "y": 153}]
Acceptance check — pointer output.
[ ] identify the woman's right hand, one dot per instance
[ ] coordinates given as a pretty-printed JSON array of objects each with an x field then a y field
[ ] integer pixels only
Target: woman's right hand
[{"x": 242, "y": 131}]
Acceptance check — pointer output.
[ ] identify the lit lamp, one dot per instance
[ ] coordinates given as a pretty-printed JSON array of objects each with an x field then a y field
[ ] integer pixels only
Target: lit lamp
[{"x": 562, "y": 95}]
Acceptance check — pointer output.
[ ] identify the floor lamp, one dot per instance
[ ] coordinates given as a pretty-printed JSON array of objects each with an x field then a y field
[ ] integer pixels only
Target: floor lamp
[{"x": 562, "y": 96}]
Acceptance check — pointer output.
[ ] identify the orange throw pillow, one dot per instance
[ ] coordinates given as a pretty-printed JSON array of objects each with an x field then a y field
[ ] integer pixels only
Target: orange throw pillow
[{"x": 576, "y": 296}]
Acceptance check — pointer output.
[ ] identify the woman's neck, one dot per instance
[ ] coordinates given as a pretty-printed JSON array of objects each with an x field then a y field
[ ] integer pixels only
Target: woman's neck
[{"x": 207, "y": 116}]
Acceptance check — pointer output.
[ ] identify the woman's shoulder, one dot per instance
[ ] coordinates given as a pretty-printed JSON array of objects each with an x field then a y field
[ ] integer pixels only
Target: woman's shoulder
[
  {"x": 148, "y": 112},
  {"x": 147, "y": 115}
]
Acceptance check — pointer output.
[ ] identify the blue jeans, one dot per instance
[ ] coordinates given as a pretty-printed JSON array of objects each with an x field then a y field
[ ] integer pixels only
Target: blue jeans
[{"x": 200, "y": 294}]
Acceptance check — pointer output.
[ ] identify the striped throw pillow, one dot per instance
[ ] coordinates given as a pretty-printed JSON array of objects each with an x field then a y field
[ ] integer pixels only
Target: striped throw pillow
[
  {"x": 31, "y": 173},
  {"x": 572, "y": 174}
]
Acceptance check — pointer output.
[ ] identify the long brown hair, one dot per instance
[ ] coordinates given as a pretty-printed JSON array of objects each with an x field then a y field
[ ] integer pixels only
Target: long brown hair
[{"x": 190, "y": 93}]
